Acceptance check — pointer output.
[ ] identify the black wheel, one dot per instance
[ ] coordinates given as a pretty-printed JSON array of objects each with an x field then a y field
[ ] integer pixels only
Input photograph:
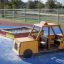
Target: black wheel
[{"x": 27, "y": 53}]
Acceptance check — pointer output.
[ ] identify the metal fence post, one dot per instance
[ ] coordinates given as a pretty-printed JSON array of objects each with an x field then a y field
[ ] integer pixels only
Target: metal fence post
[
  {"x": 39, "y": 15},
  {"x": 57, "y": 16},
  {"x": 39, "y": 11},
  {"x": 14, "y": 15},
  {"x": 25, "y": 14}
]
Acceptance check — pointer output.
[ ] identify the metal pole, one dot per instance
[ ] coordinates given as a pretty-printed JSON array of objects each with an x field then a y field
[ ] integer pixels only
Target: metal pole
[
  {"x": 25, "y": 14},
  {"x": 39, "y": 10},
  {"x": 39, "y": 15},
  {"x": 13, "y": 10},
  {"x": 49, "y": 38},
  {"x": 57, "y": 16}
]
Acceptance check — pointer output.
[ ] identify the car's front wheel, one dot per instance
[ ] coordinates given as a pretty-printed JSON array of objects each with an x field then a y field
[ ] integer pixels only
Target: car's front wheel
[{"x": 27, "y": 53}]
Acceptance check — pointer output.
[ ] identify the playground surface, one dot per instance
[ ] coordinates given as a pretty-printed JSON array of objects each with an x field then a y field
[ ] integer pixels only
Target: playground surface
[
  {"x": 4, "y": 22},
  {"x": 8, "y": 56}
]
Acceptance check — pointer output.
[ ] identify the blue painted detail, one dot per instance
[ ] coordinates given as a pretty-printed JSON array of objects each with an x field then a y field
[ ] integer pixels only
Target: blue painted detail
[
  {"x": 56, "y": 30},
  {"x": 5, "y": 27}
]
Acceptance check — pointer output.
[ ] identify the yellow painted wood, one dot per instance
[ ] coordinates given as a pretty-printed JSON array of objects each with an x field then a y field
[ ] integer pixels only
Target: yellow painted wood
[
  {"x": 24, "y": 39},
  {"x": 32, "y": 45},
  {"x": 9, "y": 35},
  {"x": 62, "y": 44},
  {"x": 51, "y": 39},
  {"x": 27, "y": 43}
]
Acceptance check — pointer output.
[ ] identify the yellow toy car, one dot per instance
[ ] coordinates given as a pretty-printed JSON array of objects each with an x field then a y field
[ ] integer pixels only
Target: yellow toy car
[{"x": 38, "y": 40}]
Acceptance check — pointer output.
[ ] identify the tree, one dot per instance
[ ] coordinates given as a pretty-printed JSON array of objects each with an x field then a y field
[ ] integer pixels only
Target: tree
[
  {"x": 15, "y": 4},
  {"x": 39, "y": 5},
  {"x": 3, "y": 4},
  {"x": 59, "y": 5},
  {"x": 30, "y": 4},
  {"x": 35, "y": 4},
  {"x": 50, "y": 4}
]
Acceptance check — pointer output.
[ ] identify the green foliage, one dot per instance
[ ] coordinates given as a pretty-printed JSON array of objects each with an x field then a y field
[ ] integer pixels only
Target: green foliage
[
  {"x": 10, "y": 4},
  {"x": 35, "y": 5},
  {"x": 1, "y": 5},
  {"x": 30, "y": 5},
  {"x": 59, "y": 5},
  {"x": 50, "y": 4},
  {"x": 15, "y": 4},
  {"x": 39, "y": 5}
]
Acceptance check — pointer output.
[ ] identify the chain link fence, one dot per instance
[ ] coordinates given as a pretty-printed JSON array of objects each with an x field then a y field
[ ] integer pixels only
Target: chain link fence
[{"x": 32, "y": 16}]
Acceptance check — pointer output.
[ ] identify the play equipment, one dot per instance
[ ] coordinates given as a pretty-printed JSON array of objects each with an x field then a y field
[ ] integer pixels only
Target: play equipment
[
  {"x": 15, "y": 32},
  {"x": 38, "y": 40}
]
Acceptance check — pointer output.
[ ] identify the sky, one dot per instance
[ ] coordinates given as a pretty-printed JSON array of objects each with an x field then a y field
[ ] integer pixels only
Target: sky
[{"x": 62, "y": 1}]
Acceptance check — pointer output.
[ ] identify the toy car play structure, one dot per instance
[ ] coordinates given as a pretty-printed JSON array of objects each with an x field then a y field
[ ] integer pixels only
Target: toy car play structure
[{"x": 38, "y": 40}]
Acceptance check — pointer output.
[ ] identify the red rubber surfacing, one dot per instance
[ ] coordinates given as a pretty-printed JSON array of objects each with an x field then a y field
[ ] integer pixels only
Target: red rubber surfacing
[{"x": 10, "y": 23}]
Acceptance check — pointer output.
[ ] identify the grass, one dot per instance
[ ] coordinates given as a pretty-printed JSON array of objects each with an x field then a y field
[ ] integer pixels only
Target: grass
[
  {"x": 22, "y": 20},
  {"x": 30, "y": 20}
]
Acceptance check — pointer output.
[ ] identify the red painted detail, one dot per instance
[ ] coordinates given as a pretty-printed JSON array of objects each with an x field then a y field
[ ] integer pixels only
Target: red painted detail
[
  {"x": 15, "y": 35},
  {"x": 21, "y": 35},
  {"x": 10, "y": 23},
  {"x": 2, "y": 32}
]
